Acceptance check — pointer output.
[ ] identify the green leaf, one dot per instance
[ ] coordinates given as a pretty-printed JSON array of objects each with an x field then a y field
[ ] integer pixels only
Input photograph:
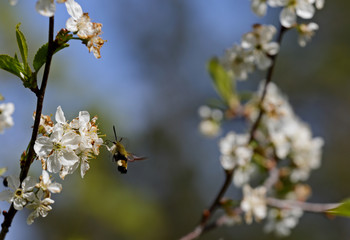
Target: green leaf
[
  {"x": 40, "y": 56},
  {"x": 22, "y": 45},
  {"x": 342, "y": 210},
  {"x": 222, "y": 81},
  {"x": 11, "y": 65}
]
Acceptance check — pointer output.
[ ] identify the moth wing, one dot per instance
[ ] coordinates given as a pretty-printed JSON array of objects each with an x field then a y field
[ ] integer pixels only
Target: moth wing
[{"x": 131, "y": 157}]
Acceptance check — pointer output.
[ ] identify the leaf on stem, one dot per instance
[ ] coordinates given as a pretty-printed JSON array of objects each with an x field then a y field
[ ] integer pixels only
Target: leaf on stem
[
  {"x": 40, "y": 57},
  {"x": 23, "y": 47},
  {"x": 342, "y": 210},
  {"x": 41, "y": 54},
  {"x": 223, "y": 83},
  {"x": 11, "y": 65}
]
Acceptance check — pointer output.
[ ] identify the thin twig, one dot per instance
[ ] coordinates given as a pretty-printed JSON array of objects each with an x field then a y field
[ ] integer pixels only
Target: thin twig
[
  {"x": 229, "y": 174},
  {"x": 309, "y": 207},
  {"x": 272, "y": 179},
  {"x": 10, "y": 214}
]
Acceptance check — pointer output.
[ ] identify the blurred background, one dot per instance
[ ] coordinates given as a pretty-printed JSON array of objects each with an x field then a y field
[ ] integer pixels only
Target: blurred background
[{"x": 150, "y": 81}]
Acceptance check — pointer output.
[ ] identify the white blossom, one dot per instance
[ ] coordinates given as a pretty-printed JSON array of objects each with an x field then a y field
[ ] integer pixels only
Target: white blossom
[
  {"x": 6, "y": 110},
  {"x": 293, "y": 8},
  {"x": 209, "y": 128},
  {"x": 242, "y": 174},
  {"x": 306, "y": 153},
  {"x": 319, "y": 4},
  {"x": 90, "y": 142},
  {"x": 46, "y": 185},
  {"x": 20, "y": 194},
  {"x": 254, "y": 203},
  {"x": 235, "y": 150},
  {"x": 57, "y": 150},
  {"x": 79, "y": 23},
  {"x": 69, "y": 144},
  {"x": 290, "y": 136},
  {"x": 259, "y": 41},
  {"x": 47, "y": 8},
  {"x": 210, "y": 124},
  {"x": 306, "y": 32},
  {"x": 259, "y": 7},
  {"x": 41, "y": 205},
  {"x": 281, "y": 221},
  {"x": 238, "y": 62}
]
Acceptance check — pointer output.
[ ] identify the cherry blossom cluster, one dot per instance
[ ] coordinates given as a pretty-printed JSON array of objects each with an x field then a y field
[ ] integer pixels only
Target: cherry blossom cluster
[
  {"x": 6, "y": 111},
  {"x": 283, "y": 143},
  {"x": 291, "y": 9},
  {"x": 64, "y": 146},
  {"x": 61, "y": 149},
  {"x": 274, "y": 158},
  {"x": 30, "y": 194},
  {"x": 254, "y": 52},
  {"x": 79, "y": 23}
]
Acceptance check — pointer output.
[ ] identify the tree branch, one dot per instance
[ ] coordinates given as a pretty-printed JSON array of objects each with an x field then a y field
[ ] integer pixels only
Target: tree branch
[
  {"x": 229, "y": 174},
  {"x": 309, "y": 207},
  {"x": 30, "y": 155}
]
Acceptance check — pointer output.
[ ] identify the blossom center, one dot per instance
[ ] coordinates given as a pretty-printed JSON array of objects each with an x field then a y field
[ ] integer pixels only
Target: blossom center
[
  {"x": 19, "y": 192},
  {"x": 292, "y": 3}
]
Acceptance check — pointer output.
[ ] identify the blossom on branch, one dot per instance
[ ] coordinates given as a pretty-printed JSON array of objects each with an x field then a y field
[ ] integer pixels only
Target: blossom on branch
[
  {"x": 210, "y": 124},
  {"x": 20, "y": 194},
  {"x": 69, "y": 144},
  {"x": 41, "y": 205},
  {"x": 46, "y": 185},
  {"x": 254, "y": 203},
  {"x": 259, "y": 41},
  {"x": 306, "y": 32},
  {"x": 238, "y": 62},
  {"x": 47, "y": 8},
  {"x": 80, "y": 24},
  {"x": 236, "y": 154},
  {"x": 281, "y": 221},
  {"x": 292, "y": 9}
]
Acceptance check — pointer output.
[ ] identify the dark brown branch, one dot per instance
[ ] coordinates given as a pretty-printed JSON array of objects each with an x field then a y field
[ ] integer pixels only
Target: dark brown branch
[
  {"x": 229, "y": 174},
  {"x": 30, "y": 155}
]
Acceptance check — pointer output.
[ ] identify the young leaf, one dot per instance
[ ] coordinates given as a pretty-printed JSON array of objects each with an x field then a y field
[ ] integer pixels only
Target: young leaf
[
  {"x": 11, "y": 65},
  {"x": 222, "y": 81},
  {"x": 22, "y": 45},
  {"x": 40, "y": 56},
  {"x": 342, "y": 210}
]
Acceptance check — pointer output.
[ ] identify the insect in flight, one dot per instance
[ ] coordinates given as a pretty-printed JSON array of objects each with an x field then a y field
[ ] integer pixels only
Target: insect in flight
[{"x": 121, "y": 156}]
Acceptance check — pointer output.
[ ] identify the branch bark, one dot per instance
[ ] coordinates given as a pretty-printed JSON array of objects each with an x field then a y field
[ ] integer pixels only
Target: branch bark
[{"x": 30, "y": 156}]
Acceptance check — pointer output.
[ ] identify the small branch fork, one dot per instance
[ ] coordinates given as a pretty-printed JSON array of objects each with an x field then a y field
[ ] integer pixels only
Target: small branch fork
[
  {"x": 313, "y": 207},
  {"x": 30, "y": 155}
]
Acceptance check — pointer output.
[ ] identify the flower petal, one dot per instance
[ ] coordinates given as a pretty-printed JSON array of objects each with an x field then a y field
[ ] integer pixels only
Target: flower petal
[
  {"x": 46, "y": 8},
  {"x": 74, "y": 9},
  {"x": 59, "y": 117},
  {"x": 288, "y": 17}
]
